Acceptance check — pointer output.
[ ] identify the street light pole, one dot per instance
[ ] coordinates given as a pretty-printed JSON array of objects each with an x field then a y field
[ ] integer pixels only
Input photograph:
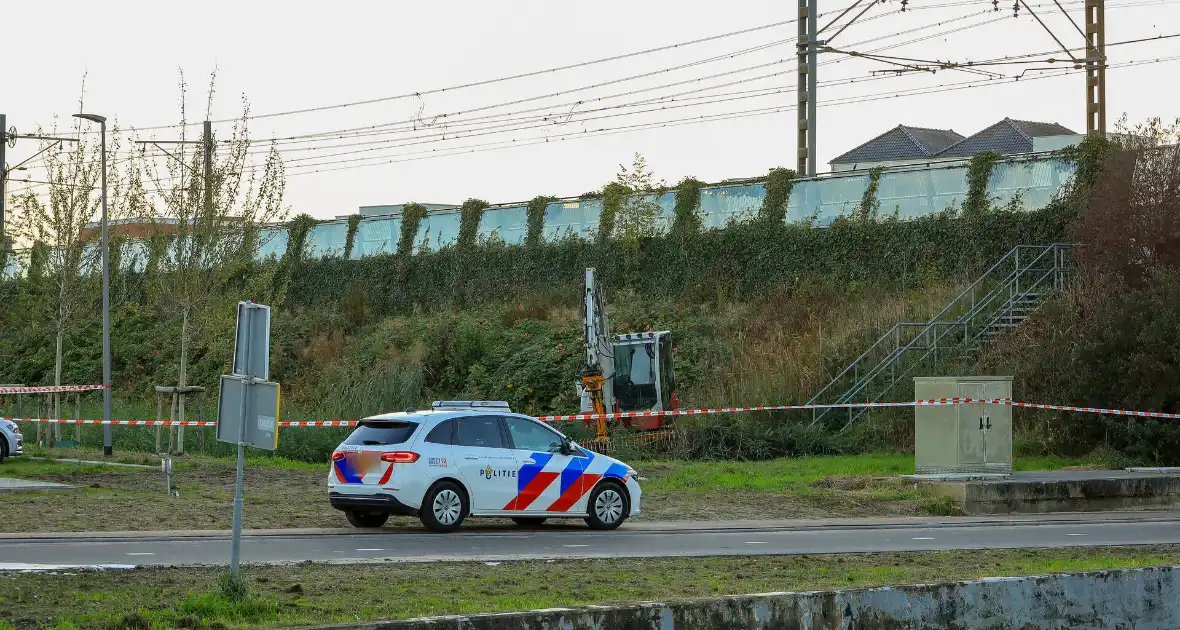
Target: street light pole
[{"x": 107, "y": 447}]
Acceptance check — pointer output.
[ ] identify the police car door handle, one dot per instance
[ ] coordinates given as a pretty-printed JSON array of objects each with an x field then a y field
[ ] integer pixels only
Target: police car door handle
[
  {"x": 529, "y": 461},
  {"x": 470, "y": 457}
]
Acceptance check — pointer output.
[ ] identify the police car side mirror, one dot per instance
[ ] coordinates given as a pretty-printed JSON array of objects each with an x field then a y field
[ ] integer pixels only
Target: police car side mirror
[{"x": 566, "y": 447}]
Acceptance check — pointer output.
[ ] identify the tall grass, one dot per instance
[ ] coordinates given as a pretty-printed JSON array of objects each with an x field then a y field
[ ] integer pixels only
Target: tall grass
[
  {"x": 777, "y": 350},
  {"x": 786, "y": 347}
]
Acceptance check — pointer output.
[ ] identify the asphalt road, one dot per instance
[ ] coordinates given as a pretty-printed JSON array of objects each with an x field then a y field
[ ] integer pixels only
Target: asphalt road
[{"x": 581, "y": 543}]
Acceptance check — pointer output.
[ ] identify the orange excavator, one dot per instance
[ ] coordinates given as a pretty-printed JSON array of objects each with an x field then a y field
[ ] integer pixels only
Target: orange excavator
[{"x": 629, "y": 372}]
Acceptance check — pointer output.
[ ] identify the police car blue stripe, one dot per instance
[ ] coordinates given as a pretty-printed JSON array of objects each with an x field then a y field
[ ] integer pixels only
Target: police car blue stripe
[
  {"x": 346, "y": 470},
  {"x": 616, "y": 471},
  {"x": 530, "y": 471},
  {"x": 572, "y": 472}
]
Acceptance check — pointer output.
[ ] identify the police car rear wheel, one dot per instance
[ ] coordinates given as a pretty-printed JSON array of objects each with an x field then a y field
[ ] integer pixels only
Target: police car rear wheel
[
  {"x": 444, "y": 508},
  {"x": 366, "y": 519},
  {"x": 525, "y": 521},
  {"x": 608, "y": 506}
]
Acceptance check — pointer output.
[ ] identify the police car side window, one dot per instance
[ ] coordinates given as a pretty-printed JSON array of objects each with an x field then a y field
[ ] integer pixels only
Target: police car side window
[
  {"x": 530, "y": 436},
  {"x": 442, "y": 433},
  {"x": 482, "y": 431}
]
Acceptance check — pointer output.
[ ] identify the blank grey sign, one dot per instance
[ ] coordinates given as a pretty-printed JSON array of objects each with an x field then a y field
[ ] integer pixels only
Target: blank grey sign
[
  {"x": 262, "y": 412},
  {"x": 253, "y": 334}
]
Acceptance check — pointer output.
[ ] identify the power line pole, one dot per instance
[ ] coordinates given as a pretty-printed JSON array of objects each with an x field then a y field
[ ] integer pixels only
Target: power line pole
[
  {"x": 807, "y": 49},
  {"x": 3, "y": 183},
  {"x": 1095, "y": 66},
  {"x": 208, "y": 141},
  {"x": 805, "y": 112},
  {"x": 812, "y": 52}
]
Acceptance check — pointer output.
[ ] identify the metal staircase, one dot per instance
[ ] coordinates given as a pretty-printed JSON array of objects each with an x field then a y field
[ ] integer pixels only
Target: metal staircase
[{"x": 1001, "y": 299}]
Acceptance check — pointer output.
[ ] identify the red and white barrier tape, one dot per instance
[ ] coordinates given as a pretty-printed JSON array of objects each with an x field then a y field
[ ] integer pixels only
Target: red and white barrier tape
[
  {"x": 51, "y": 389},
  {"x": 658, "y": 414},
  {"x": 696, "y": 412},
  {"x": 1105, "y": 412},
  {"x": 130, "y": 423}
]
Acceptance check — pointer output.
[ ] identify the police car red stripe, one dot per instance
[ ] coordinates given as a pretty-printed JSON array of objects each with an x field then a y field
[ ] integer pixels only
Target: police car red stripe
[{"x": 575, "y": 492}]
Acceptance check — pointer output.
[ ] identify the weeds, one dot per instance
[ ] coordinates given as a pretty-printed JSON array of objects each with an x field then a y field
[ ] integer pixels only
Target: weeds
[{"x": 234, "y": 588}]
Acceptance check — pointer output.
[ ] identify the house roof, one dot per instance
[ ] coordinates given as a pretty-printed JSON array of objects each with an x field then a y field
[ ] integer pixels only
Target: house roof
[
  {"x": 901, "y": 143},
  {"x": 1006, "y": 137}
]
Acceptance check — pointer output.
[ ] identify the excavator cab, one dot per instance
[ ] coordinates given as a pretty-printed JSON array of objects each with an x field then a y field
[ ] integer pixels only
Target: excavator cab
[{"x": 643, "y": 376}]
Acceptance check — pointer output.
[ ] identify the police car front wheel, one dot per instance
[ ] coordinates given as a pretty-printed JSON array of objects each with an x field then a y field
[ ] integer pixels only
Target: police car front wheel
[
  {"x": 444, "y": 507},
  {"x": 608, "y": 506}
]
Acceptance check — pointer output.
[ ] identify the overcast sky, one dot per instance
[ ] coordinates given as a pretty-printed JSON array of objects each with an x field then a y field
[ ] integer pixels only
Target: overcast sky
[{"x": 286, "y": 56}]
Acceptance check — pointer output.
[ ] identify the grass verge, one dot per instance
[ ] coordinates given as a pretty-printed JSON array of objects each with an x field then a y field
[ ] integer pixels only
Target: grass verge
[
  {"x": 282, "y": 494},
  {"x": 320, "y": 593}
]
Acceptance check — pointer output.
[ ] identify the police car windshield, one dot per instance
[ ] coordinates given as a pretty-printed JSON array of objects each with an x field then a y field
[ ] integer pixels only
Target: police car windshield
[{"x": 382, "y": 433}]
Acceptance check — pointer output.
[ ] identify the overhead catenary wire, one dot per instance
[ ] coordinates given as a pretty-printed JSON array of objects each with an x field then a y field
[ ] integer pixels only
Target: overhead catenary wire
[
  {"x": 648, "y": 74},
  {"x": 663, "y": 71},
  {"x": 694, "y": 120},
  {"x": 460, "y": 132},
  {"x": 295, "y": 167},
  {"x": 891, "y": 35},
  {"x": 879, "y": 38},
  {"x": 959, "y": 3},
  {"x": 403, "y": 122},
  {"x": 472, "y": 84}
]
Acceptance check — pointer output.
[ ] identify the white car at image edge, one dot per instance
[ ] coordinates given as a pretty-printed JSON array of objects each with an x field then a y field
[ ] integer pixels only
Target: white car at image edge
[
  {"x": 475, "y": 459},
  {"x": 11, "y": 441}
]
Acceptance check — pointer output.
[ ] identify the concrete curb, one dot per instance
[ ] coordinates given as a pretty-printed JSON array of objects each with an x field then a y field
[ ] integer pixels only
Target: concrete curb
[
  {"x": 1125, "y": 598},
  {"x": 641, "y": 526}
]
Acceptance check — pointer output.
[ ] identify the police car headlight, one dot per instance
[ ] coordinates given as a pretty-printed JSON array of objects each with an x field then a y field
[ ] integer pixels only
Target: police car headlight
[{"x": 633, "y": 474}]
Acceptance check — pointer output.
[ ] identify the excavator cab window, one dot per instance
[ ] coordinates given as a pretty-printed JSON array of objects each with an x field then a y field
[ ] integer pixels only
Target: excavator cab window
[{"x": 635, "y": 376}]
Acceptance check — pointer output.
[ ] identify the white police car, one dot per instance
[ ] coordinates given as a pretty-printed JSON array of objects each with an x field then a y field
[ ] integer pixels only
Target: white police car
[
  {"x": 477, "y": 459},
  {"x": 11, "y": 441}
]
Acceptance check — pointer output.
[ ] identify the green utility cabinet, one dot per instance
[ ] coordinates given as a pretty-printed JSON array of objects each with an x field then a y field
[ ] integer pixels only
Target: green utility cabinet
[{"x": 963, "y": 438}]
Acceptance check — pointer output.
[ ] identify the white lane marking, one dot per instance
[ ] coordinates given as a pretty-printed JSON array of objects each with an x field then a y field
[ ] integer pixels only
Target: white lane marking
[
  {"x": 756, "y": 542},
  {"x": 923, "y": 538},
  {"x": 575, "y": 545},
  {"x": 1075, "y": 534},
  {"x": 141, "y": 553},
  {"x": 370, "y": 550}
]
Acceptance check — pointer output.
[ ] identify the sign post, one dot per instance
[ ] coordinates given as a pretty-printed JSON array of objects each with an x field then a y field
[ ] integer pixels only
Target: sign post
[{"x": 248, "y": 406}]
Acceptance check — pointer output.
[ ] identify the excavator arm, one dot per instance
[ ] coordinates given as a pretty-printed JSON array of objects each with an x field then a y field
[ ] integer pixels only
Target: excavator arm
[{"x": 598, "y": 371}]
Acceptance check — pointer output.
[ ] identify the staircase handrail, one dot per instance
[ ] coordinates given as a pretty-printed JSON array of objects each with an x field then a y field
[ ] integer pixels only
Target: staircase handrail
[
  {"x": 961, "y": 321},
  {"x": 1011, "y": 254},
  {"x": 935, "y": 322}
]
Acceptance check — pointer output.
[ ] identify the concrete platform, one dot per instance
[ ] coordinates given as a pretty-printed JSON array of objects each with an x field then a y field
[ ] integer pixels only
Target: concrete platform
[
  {"x": 9, "y": 484},
  {"x": 1064, "y": 491}
]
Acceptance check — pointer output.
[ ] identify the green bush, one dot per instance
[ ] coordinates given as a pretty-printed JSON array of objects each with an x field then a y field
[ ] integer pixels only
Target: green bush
[
  {"x": 743, "y": 261},
  {"x": 687, "y": 219},
  {"x": 469, "y": 215},
  {"x": 778, "y": 192},
  {"x": 412, "y": 216}
]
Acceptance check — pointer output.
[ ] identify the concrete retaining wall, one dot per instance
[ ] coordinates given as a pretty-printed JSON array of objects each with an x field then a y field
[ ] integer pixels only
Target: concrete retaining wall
[
  {"x": 1078, "y": 492},
  {"x": 1142, "y": 599}
]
